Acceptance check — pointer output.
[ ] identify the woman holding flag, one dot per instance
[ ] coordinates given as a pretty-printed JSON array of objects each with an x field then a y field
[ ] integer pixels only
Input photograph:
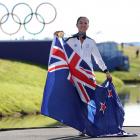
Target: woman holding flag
[
  {"x": 98, "y": 112},
  {"x": 85, "y": 46}
]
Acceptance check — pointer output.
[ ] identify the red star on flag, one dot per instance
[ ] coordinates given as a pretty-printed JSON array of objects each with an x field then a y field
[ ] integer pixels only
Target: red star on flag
[
  {"x": 110, "y": 93},
  {"x": 103, "y": 107}
]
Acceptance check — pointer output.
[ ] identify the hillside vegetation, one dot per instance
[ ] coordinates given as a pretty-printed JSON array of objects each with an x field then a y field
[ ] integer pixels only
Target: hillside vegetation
[
  {"x": 22, "y": 85},
  {"x": 133, "y": 75}
]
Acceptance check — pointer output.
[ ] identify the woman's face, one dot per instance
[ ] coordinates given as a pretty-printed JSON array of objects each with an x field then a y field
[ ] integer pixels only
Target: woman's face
[{"x": 83, "y": 24}]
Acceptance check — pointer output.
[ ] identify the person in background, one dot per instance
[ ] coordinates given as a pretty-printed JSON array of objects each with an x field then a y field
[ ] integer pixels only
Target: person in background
[
  {"x": 137, "y": 53},
  {"x": 85, "y": 47},
  {"x": 122, "y": 46}
]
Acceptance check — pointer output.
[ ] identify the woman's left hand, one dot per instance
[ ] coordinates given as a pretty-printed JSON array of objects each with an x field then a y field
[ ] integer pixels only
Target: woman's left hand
[{"x": 108, "y": 76}]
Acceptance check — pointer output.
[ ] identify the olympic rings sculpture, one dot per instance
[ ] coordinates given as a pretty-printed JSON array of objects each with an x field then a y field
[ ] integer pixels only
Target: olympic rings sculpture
[{"x": 24, "y": 20}]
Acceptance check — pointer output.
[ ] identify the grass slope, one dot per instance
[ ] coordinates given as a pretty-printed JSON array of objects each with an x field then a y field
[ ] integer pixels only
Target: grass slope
[
  {"x": 21, "y": 87},
  {"x": 133, "y": 75}
]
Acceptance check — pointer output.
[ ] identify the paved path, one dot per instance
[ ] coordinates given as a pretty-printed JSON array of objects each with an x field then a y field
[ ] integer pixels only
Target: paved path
[{"x": 65, "y": 133}]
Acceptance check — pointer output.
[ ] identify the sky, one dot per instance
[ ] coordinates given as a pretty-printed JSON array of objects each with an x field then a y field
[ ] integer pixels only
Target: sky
[{"x": 109, "y": 20}]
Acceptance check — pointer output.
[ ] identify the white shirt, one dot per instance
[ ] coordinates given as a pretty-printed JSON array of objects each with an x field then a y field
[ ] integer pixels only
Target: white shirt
[{"x": 87, "y": 49}]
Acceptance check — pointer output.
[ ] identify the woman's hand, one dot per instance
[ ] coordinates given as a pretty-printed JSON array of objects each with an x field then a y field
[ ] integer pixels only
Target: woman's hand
[
  {"x": 59, "y": 34},
  {"x": 108, "y": 76}
]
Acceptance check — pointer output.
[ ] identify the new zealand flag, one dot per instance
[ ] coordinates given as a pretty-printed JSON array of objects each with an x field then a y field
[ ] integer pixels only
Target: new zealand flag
[{"x": 72, "y": 96}]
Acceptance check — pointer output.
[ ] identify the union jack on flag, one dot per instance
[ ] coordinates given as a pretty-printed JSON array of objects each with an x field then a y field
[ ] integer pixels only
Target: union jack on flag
[
  {"x": 72, "y": 96},
  {"x": 79, "y": 74}
]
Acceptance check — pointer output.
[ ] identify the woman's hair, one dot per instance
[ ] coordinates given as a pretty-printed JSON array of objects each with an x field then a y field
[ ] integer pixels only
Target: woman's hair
[{"x": 80, "y": 18}]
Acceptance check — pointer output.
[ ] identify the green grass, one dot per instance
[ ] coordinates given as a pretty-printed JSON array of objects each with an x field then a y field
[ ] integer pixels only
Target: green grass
[
  {"x": 22, "y": 85},
  {"x": 133, "y": 75},
  {"x": 29, "y": 121}
]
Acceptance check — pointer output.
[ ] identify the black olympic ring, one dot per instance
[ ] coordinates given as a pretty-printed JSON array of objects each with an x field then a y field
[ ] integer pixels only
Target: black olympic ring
[{"x": 27, "y": 17}]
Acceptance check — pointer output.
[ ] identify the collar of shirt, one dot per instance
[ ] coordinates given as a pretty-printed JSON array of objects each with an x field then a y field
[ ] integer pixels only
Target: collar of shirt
[{"x": 80, "y": 34}]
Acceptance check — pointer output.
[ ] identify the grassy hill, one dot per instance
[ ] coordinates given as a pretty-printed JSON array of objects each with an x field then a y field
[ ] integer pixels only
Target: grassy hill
[
  {"x": 22, "y": 85},
  {"x": 133, "y": 75}
]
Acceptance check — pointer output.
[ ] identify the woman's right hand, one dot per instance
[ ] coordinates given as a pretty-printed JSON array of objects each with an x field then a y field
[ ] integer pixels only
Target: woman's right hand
[{"x": 59, "y": 34}]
